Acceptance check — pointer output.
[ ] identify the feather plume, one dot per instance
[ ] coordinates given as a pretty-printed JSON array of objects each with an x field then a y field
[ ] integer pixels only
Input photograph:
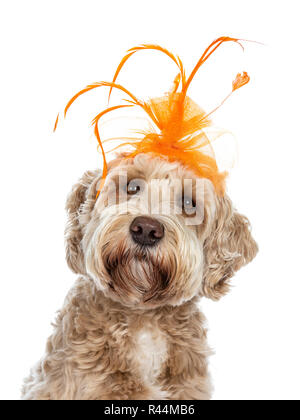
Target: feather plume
[{"x": 179, "y": 133}]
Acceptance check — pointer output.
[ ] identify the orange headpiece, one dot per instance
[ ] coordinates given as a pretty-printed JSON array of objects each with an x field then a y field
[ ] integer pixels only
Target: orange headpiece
[{"x": 180, "y": 122}]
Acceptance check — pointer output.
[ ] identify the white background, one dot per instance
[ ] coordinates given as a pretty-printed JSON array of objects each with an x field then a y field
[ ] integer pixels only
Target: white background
[{"x": 51, "y": 49}]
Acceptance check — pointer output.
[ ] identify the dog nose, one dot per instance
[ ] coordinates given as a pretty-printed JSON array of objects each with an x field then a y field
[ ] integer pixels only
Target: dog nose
[{"x": 146, "y": 231}]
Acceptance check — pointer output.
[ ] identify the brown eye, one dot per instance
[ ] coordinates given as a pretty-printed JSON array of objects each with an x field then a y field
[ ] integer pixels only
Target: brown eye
[
  {"x": 188, "y": 205},
  {"x": 133, "y": 188}
]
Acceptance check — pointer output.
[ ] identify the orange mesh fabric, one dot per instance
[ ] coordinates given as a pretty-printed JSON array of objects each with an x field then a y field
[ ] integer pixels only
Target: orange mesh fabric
[{"x": 181, "y": 137}]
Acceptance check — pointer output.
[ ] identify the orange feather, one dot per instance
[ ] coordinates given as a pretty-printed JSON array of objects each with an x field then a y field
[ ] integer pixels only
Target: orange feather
[
  {"x": 133, "y": 50},
  {"x": 56, "y": 122}
]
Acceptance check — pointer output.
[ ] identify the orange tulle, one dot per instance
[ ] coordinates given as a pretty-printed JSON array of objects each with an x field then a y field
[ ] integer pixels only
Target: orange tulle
[{"x": 180, "y": 123}]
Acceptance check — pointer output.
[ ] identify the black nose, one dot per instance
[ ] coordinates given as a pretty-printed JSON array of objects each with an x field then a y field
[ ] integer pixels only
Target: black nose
[{"x": 146, "y": 231}]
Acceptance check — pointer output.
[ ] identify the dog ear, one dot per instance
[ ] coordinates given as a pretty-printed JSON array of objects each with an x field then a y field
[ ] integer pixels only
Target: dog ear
[
  {"x": 228, "y": 247},
  {"x": 79, "y": 205}
]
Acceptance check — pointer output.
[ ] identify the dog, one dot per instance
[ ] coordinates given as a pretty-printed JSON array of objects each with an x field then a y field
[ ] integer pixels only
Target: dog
[
  {"x": 131, "y": 328},
  {"x": 149, "y": 236}
]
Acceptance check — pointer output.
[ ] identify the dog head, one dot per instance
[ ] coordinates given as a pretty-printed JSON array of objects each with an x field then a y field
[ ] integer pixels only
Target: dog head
[{"x": 156, "y": 235}]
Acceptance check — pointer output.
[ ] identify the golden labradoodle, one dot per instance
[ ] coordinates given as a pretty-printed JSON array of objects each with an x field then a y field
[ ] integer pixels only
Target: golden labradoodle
[{"x": 131, "y": 328}]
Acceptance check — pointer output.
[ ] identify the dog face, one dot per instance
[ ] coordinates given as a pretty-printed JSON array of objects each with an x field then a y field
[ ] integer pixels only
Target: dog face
[{"x": 156, "y": 235}]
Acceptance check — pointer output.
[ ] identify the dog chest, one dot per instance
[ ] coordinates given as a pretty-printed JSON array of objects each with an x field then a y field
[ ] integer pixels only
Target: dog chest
[{"x": 150, "y": 352}]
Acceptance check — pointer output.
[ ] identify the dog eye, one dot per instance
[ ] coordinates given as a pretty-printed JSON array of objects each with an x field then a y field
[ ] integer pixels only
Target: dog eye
[
  {"x": 133, "y": 188},
  {"x": 188, "y": 205}
]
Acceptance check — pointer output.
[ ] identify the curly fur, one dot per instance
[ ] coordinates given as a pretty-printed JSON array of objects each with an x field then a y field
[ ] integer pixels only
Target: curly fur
[{"x": 130, "y": 328}]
